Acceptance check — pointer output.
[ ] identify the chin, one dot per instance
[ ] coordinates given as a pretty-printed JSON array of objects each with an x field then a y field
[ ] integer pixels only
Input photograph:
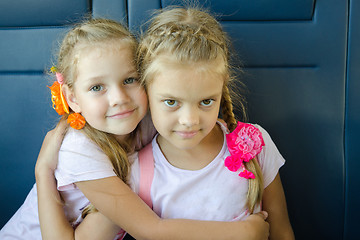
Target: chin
[{"x": 187, "y": 144}]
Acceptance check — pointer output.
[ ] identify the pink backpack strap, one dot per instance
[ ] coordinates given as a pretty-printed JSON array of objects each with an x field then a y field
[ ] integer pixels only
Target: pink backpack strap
[{"x": 146, "y": 162}]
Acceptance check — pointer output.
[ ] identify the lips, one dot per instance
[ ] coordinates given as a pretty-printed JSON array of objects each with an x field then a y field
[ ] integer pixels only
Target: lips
[
  {"x": 122, "y": 114},
  {"x": 187, "y": 134}
]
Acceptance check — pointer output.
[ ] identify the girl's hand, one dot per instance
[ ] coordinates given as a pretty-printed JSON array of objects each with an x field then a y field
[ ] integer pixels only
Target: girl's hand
[
  {"x": 48, "y": 156},
  {"x": 260, "y": 228}
]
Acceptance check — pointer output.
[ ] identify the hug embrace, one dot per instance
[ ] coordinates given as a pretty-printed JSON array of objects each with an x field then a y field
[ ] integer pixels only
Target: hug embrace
[{"x": 144, "y": 119}]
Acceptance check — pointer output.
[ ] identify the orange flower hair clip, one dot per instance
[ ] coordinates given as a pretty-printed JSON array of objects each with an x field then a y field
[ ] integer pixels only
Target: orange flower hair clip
[
  {"x": 57, "y": 97},
  {"x": 76, "y": 120}
]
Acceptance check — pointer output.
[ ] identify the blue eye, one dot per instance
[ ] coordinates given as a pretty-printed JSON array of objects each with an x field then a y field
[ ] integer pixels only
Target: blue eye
[
  {"x": 96, "y": 88},
  {"x": 129, "y": 81},
  {"x": 207, "y": 102},
  {"x": 171, "y": 103}
]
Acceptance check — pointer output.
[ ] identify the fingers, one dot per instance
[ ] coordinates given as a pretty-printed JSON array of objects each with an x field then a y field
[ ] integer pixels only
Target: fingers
[
  {"x": 48, "y": 155},
  {"x": 261, "y": 226},
  {"x": 262, "y": 214},
  {"x": 58, "y": 132},
  {"x": 61, "y": 127},
  {"x": 53, "y": 139}
]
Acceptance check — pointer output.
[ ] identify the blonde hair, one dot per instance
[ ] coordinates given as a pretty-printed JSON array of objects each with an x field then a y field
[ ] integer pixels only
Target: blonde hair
[
  {"x": 193, "y": 35},
  {"x": 97, "y": 32}
]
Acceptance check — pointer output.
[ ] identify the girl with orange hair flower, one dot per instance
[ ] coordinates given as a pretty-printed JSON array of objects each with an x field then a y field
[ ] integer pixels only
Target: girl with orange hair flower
[{"x": 98, "y": 92}]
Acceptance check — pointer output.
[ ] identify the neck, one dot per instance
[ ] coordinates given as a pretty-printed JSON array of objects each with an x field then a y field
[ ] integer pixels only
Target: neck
[
  {"x": 122, "y": 138},
  {"x": 197, "y": 157}
]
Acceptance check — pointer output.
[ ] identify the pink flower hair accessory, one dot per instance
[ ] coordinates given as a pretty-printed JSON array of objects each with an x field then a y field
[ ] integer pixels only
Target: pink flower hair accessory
[
  {"x": 59, "y": 77},
  {"x": 244, "y": 143}
]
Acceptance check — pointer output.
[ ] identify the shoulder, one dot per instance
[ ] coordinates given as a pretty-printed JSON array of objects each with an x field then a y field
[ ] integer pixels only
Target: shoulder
[
  {"x": 80, "y": 159},
  {"x": 75, "y": 139},
  {"x": 270, "y": 159},
  {"x": 269, "y": 143},
  {"x": 265, "y": 135},
  {"x": 78, "y": 145},
  {"x": 76, "y": 142},
  {"x": 251, "y": 140}
]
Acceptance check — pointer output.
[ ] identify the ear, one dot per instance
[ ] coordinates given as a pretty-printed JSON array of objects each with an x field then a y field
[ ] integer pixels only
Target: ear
[{"x": 71, "y": 99}]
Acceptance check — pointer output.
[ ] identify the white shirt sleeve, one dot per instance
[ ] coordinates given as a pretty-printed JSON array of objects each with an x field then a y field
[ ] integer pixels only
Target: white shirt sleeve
[
  {"x": 80, "y": 160},
  {"x": 270, "y": 159}
]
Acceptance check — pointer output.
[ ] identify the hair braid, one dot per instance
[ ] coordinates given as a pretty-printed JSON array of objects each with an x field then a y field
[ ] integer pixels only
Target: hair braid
[
  {"x": 227, "y": 109},
  {"x": 255, "y": 191},
  {"x": 256, "y": 186}
]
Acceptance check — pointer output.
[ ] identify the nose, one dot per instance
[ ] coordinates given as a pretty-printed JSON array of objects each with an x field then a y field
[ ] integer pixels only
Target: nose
[
  {"x": 189, "y": 116},
  {"x": 117, "y": 96}
]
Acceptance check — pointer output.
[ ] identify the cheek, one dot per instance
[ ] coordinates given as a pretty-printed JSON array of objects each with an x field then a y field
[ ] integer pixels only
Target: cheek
[
  {"x": 88, "y": 111},
  {"x": 160, "y": 118},
  {"x": 211, "y": 117}
]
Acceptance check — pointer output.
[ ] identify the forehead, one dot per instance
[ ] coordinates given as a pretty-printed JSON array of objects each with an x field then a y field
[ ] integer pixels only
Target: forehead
[
  {"x": 186, "y": 81},
  {"x": 105, "y": 61},
  {"x": 103, "y": 47},
  {"x": 105, "y": 64},
  {"x": 168, "y": 62},
  {"x": 116, "y": 55}
]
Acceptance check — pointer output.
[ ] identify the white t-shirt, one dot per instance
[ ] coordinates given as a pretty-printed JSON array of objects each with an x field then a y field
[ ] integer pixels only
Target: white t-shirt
[
  {"x": 211, "y": 193},
  {"x": 80, "y": 159}
]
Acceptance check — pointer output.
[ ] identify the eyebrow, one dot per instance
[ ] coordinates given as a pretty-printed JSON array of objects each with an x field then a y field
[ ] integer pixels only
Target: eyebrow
[
  {"x": 129, "y": 73},
  {"x": 166, "y": 95}
]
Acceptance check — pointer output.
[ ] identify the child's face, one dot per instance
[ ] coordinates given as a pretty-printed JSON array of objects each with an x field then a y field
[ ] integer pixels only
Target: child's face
[
  {"x": 107, "y": 91},
  {"x": 184, "y": 104}
]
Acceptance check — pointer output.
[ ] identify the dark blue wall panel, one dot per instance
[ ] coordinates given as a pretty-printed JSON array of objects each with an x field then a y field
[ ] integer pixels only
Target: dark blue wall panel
[
  {"x": 352, "y": 127},
  {"x": 300, "y": 62}
]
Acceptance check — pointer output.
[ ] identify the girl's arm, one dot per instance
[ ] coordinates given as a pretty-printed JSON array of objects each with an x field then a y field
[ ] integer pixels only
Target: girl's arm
[
  {"x": 50, "y": 204},
  {"x": 275, "y": 204},
  {"x": 127, "y": 210},
  {"x": 124, "y": 208},
  {"x": 53, "y": 222},
  {"x": 142, "y": 223}
]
